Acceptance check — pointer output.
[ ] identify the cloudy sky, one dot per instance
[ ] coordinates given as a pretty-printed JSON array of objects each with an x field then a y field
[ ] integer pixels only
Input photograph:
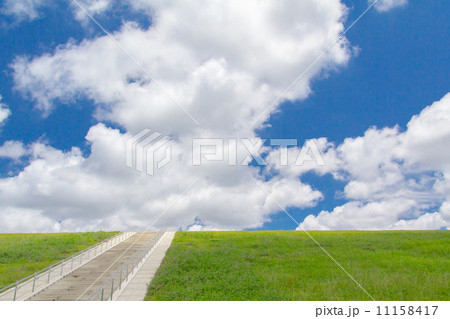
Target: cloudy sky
[{"x": 361, "y": 87}]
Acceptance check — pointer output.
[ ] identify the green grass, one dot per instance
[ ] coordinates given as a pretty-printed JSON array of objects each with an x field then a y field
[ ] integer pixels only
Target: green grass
[
  {"x": 288, "y": 265},
  {"x": 23, "y": 254}
]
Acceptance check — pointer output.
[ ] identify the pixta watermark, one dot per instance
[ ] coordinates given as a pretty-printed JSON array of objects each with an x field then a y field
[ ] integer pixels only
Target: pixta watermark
[{"x": 149, "y": 151}]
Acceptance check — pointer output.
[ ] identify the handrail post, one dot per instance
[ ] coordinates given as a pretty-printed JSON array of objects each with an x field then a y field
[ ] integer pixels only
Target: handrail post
[
  {"x": 62, "y": 265},
  {"x": 71, "y": 267},
  {"x": 102, "y": 294},
  {"x": 49, "y": 272},
  {"x": 34, "y": 282},
  {"x": 112, "y": 287},
  {"x": 120, "y": 280},
  {"x": 15, "y": 293}
]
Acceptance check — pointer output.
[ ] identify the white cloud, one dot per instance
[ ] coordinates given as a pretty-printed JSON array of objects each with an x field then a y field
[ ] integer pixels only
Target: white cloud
[
  {"x": 425, "y": 221},
  {"x": 395, "y": 179},
  {"x": 100, "y": 192},
  {"x": 30, "y": 9},
  {"x": 5, "y": 112},
  {"x": 233, "y": 62},
  {"x": 358, "y": 215},
  {"x": 93, "y": 7},
  {"x": 225, "y": 69},
  {"x": 303, "y": 159},
  {"x": 427, "y": 140},
  {"x": 26, "y": 220},
  {"x": 386, "y": 5},
  {"x": 13, "y": 150},
  {"x": 23, "y": 9}
]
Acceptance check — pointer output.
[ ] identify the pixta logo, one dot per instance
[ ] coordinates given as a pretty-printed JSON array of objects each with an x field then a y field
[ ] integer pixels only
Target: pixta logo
[
  {"x": 148, "y": 151},
  {"x": 226, "y": 150}
]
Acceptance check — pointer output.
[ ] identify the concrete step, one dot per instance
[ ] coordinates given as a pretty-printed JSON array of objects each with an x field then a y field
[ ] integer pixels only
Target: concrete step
[
  {"x": 81, "y": 283},
  {"x": 136, "y": 289}
]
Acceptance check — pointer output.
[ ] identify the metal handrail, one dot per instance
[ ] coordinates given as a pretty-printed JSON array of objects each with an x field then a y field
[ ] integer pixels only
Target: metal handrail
[
  {"x": 121, "y": 276},
  {"x": 32, "y": 279}
]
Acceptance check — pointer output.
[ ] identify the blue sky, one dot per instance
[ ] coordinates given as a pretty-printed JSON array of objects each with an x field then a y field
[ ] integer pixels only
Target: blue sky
[{"x": 401, "y": 66}]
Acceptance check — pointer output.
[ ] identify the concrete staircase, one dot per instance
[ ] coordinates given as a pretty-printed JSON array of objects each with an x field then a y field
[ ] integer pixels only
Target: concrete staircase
[{"x": 81, "y": 283}]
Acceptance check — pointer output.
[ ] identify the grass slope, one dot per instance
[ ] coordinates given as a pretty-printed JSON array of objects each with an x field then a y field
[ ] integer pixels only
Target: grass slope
[
  {"x": 23, "y": 254},
  {"x": 288, "y": 265}
]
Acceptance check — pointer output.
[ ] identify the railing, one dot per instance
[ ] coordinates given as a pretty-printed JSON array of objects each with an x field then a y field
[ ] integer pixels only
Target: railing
[
  {"x": 31, "y": 285},
  {"x": 118, "y": 281}
]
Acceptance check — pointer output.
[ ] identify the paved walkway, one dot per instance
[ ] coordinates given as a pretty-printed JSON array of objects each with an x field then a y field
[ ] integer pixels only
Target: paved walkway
[
  {"x": 81, "y": 283},
  {"x": 137, "y": 287}
]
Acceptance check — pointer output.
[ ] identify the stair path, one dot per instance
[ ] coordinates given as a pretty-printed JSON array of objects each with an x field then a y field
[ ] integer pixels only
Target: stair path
[
  {"x": 97, "y": 271},
  {"x": 136, "y": 289}
]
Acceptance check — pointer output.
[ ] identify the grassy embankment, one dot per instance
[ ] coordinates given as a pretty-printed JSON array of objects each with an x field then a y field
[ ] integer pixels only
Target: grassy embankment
[
  {"x": 23, "y": 254},
  {"x": 394, "y": 265}
]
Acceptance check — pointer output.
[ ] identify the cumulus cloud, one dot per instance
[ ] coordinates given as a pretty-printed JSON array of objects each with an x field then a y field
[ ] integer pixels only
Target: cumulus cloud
[
  {"x": 395, "y": 180},
  {"x": 23, "y": 9},
  {"x": 78, "y": 193},
  {"x": 225, "y": 70},
  {"x": 317, "y": 155},
  {"x": 4, "y": 111},
  {"x": 30, "y": 9},
  {"x": 386, "y": 5},
  {"x": 24, "y": 220},
  {"x": 359, "y": 215},
  {"x": 215, "y": 64},
  {"x": 93, "y": 7},
  {"x": 13, "y": 150}
]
